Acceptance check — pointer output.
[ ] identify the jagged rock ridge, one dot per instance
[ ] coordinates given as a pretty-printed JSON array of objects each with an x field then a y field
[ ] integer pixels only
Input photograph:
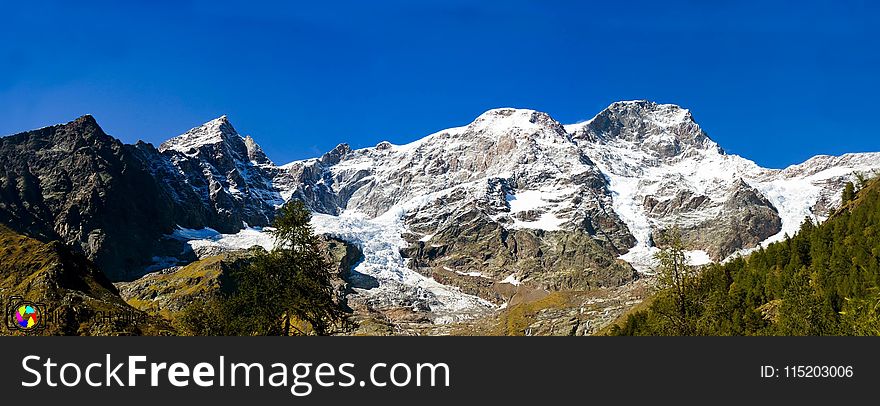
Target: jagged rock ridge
[
  {"x": 74, "y": 183},
  {"x": 116, "y": 203}
]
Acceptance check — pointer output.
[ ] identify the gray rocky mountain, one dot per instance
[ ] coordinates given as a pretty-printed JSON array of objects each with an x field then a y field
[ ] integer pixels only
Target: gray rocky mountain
[
  {"x": 74, "y": 183},
  {"x": 117, "y": 203},
  {"x": 230, "y": 174}
]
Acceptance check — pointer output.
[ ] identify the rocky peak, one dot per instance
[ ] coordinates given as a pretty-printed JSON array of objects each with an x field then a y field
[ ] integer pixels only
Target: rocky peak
[
  {"x": 660, "y": 114},
  {"x": 228, "y": 173},
  {"x": 255, "y": 153},
  {"x": 86, "y": 121},
  {"x": 216, "y": 131},
  {"x": 75, "y": 183},
  {"x": 663, "y": 130},
  {"x": 84, "y": 128},
  {"x": 334, "y": 156}
]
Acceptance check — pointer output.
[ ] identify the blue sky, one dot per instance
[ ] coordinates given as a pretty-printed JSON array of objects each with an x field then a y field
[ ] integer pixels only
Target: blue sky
[{"x": 767, "y": 80}]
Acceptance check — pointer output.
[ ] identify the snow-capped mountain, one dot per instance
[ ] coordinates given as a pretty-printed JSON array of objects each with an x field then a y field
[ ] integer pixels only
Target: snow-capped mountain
[
  {"x": 451, "y": 225},
  {"x": 519, "y": 168},
  {"x": 666, "y": 172},
  {"x": 454, "y": 221},
  {"x": 472, "y": 206},
  {"x": 228, "y": 172},
  {"x": 624, "y": 177}
]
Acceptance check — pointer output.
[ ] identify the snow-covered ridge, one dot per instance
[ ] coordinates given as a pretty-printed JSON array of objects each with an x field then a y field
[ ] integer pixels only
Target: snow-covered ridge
[
  {"x": 215, "y": 131},
  {"x": 634, "y": 169}
]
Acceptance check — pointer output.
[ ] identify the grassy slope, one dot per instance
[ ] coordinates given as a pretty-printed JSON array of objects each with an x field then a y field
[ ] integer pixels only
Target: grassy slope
[
  {"x": 69, "y": 285},
  {"x": 167, "y": 293}
]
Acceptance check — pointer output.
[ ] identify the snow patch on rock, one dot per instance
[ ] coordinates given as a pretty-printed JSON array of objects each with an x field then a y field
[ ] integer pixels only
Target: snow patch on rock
[{"x": 511, "y": 279}]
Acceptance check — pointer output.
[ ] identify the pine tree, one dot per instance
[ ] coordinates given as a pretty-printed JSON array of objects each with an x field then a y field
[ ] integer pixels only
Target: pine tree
[
  {"x": 678, "y": 278},
  {"x": 849, "y": 192},
  {"x": 286, "y": 291}
]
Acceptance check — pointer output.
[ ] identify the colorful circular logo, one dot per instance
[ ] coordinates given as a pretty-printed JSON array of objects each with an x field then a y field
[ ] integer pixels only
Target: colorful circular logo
[{"x": 27, "y": 316}]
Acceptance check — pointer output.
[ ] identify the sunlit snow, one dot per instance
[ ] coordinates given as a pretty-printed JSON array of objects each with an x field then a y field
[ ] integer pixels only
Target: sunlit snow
[
  {"x": 208, "y": 237},
  {"x": 511, "y": 280}
]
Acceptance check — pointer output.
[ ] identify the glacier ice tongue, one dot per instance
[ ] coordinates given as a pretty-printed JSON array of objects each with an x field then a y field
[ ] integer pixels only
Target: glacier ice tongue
[{"x": 381, "y": 239}]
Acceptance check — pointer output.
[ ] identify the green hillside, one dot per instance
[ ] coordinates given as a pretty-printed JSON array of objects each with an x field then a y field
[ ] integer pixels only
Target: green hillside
[{"x": 76, "y": 297}]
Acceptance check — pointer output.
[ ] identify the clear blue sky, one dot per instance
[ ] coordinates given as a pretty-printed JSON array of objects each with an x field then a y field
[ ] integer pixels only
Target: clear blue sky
[{"x": 775, "y": 82}]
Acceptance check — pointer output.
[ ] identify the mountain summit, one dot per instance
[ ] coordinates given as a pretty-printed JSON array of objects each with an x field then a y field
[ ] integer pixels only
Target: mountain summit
[
  {"x": 664, "y": 130},
  {"x": 229, "y": 173},
  {"x": 218, "y": 130}
]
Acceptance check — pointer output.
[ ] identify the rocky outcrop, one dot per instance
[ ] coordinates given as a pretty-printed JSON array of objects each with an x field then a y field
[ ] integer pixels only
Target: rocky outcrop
[
  {"x": 75, "y": 183},
  {"x": 744, "y": 219},
  {"x": 229, "y": 174},
  {"x": 471, "y": 247}
]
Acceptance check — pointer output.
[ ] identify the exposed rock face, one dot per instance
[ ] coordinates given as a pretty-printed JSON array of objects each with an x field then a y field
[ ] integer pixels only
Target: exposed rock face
[
  {"x": 75, "y": 183},
  {"x": 469, "y": 191},
  {"x": 750, "y": 218},
  {"x": 188, "y": 208},
  {"x": 552, "y": 260},
  {"x": 115, "y": 202},
  {"x": 744, "y": 219},
  {"x": 230, "y": 174}
]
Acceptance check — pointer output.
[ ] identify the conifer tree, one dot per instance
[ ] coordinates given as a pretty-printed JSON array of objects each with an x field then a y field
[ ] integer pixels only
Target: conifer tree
[
  {"x": 286, "y": 291},
  {"x": 849, "y": 193},
  {"x": 678, "y": 278}
]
